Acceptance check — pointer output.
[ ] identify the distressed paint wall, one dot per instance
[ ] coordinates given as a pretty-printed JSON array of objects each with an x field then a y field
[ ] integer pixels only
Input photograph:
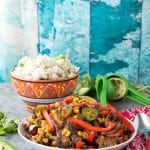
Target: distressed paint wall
[
  {"x": 64, "y": 28},
  {"x": 18, "y": 33},
  {"x": 115, "y": 37},
  {"x": 115, "y": 51},
  {"x": 144, "y": 70},
  {"x": 100, "y": 36}
]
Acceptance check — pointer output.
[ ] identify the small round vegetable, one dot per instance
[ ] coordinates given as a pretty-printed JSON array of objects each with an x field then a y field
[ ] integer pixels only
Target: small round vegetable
[
  {"x": 120, "y": 88},
  {"x": 65, "y": 111},
  {"x": 89, "y": 113}
]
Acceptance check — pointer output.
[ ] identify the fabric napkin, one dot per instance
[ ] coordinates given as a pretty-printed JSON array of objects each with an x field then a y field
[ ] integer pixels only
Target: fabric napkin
[{"x": 138, "y": 142}]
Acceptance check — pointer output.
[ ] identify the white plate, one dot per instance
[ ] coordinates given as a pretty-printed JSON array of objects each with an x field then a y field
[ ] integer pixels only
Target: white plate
[
  {"x": 42, "y": 101},
  {"x": 43, "y": 147}
]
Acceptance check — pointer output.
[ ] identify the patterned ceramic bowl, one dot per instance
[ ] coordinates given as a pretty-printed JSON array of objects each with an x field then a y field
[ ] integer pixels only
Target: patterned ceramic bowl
[{"x": 44, "y": 89}]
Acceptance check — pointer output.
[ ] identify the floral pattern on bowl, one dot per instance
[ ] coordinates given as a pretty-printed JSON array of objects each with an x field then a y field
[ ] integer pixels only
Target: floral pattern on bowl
[{"x": 44, "y": 89}]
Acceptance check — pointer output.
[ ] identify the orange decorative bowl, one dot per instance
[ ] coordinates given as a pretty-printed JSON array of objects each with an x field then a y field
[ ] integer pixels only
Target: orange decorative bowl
[{"x": 44, "y": 89}]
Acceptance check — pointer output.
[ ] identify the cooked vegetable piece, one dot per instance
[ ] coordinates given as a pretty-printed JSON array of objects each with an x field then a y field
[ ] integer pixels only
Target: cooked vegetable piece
[
  {"x": 109, "y": 110},
  {"x": 40, "y": 108},
  {"x": 79, "y": 144},
  {"x": 125, "y": 121},
  {"x": 55, "y": 117},
  {"x": 47, "y": 117},
  {"x": 88, "y": 126},
  {"x": 21, "y": 64},
  {"x": 65, "y": 111},
  {"x": 91, "y": 136},
  {"x": 68, "y": 99},
  {"x": 118, "y": 133},
  {"x": 90, "y": 114},
  {"x": 116, "y": 129},
  {"x": 33, "y": 129}
]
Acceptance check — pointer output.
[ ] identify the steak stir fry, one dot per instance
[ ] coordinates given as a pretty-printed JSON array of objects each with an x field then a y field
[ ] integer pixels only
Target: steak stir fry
[{"x": 77, "y": 122}]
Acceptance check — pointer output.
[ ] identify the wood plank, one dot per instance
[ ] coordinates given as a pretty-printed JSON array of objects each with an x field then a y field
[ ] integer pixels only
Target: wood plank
[
  {"x": 115, "y": 38},
  {"x": 144, "y": 69}
]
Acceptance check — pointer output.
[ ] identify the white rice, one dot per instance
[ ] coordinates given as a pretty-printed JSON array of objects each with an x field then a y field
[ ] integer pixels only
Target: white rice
[{"x": 44, "y": 67}]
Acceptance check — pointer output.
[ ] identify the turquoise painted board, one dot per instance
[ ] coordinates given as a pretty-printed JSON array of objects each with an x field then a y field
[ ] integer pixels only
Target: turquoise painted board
[
  {"x": 144, "y": 69},
  {"x": 100, "y": 36},
  {"x": 46, "y": 25},
  {"x": 64, "y": 28},
  {"x": 18, "y": 33},
  {"x": 115, "y": 37}
]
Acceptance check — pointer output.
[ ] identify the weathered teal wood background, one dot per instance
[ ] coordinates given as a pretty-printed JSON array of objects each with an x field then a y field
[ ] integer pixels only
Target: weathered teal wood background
[
  {"x": 114, "y": 41},
  {"x": 100, "y": 36},
  {"x": 115, "y": 37},
  {"x": 144, "y": 62},
  {"x": 64, "y": 28},
  {"x": 18, "y": 33}
]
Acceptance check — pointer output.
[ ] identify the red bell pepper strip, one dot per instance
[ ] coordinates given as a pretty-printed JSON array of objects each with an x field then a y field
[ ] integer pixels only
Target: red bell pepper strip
[
  {"x": 88, "y": 126},
  {"x": 91, "y": 136},
  {"x": 116, "y": 134},
  {"x": 55, "y": 117},
  {"x": 79, "y": 144},
  {"x": 112, "y": 109},
  {"x": 105, "y": 112},
  {"x": 109, "y": 110},
  {"x": 68, "y": 99},
  {"x": 49, "y": 120},
  {"x": 51, "y": 116},
  {"x": 125, "y": 121}
]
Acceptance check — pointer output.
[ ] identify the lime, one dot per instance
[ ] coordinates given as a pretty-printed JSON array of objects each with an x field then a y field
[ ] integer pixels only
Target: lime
[{"x": 119, "y": 88}]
